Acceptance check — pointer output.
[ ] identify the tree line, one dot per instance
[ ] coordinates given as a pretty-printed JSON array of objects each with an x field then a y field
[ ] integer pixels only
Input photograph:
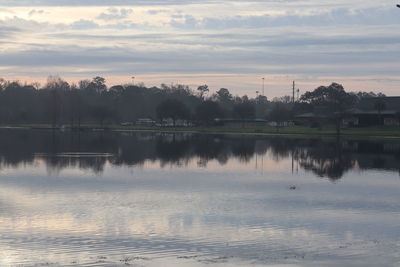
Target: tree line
[{"x": 92, "y": 102}]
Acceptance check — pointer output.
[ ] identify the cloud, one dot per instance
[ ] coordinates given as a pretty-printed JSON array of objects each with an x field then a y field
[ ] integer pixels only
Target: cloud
[
  {"x": 6, "y": 10},
  {"x": 96, "y": 2},
  {"x": 115, "y": 14},
  {"x": 8, "y": 32},
  {"x": 22, "y": 24},
  {"x": 187, "y": 22},
  {"x": 36, "y": 12},
  {"x": 84, "y": 24},
  {"x": 341, "y": 16},
  {"x": 177, "y": 16},
  {"x": 157, "y": 11},
  {"x": 287, "y": 37},
  {"x": 119, "y": 60}
]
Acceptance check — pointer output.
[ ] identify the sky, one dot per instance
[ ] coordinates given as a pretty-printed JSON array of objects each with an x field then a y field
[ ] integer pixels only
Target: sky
[{"x": 231, "y": 44}]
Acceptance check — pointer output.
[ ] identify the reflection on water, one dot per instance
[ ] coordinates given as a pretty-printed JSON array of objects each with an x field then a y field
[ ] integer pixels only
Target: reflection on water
[
  {"x": 150, "y": 199},
  {"x": 323, "y": 157}
]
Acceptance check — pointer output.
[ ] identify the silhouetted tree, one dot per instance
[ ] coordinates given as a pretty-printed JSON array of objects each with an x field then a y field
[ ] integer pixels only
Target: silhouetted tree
[
  {"x": 279, "y": 114},
  {"x": 333, "y": 100},
  {"x": 283, "y": 99},
  {"x": 361, "y": 95},
  {"x": 207, "y": 112},
  {"x": 244, "y": 110},
  {"x": 98, "y": 84},
  {"x": 57, "y": 102},
  {"x": 3, "y": 84},
  {"x": 101, "y": 113},
  {"x": 172, "y": 109},
  {"x": 223, "y": 95},
  {"x": 380, "y": 106},
  {"x": 203, "y": 89}
]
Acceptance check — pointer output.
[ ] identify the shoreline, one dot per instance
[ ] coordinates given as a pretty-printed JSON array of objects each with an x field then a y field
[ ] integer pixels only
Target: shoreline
[{"x": 290, "y": 131}]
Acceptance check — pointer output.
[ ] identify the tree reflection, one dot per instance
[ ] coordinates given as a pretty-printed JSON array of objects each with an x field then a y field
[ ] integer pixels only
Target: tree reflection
[
  {"x": 326, "y": 159},
  {"x": 93, "y": 150},
  {"x": 173, "y": 149}
]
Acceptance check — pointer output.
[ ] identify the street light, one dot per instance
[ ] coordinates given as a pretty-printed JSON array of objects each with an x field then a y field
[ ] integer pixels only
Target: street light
[
  {"x": 133, "y": 80},
  {"x": 263, "y": 82}
]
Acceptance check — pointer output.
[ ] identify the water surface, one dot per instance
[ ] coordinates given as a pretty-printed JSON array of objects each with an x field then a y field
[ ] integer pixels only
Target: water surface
[{"x": 147, "y": 199}]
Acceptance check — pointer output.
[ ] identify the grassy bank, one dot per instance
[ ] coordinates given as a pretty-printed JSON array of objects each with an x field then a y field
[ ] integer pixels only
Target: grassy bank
[{"x": 393, "y": 132}]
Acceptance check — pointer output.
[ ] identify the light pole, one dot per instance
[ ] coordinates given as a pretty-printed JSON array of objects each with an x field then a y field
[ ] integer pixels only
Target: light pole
[
  {"x": 263, "y": 85},
  {"x": 133, "y": 80},
  {"x": 295, "y": 91}
]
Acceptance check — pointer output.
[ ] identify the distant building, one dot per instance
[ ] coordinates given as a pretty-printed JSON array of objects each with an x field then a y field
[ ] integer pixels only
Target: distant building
[
  {"x": 178, "y": 123},
  {"x": 145, "y": 122},
  {"x": 375, "y": 111},
  {"x": 311, "y": 119},
  {"x": 372, "y": 111}
]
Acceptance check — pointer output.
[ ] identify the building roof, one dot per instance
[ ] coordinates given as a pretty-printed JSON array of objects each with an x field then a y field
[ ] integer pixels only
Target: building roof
[
  {"x": 357, "y": 111},
  {"x": 310, "y": 115}
]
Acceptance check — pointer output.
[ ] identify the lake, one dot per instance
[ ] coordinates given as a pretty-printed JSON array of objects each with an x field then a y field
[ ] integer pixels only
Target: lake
[{"x": 158, "y": 199}]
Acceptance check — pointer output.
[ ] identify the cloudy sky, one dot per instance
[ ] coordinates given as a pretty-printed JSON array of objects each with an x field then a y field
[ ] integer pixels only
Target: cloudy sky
[{"x": 221, "y": 43}]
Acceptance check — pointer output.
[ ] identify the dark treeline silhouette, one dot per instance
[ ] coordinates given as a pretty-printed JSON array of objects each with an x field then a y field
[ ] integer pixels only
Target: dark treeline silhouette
[
  {"x": 88, "y": 150},
  {"x": 91, "y": 101}
]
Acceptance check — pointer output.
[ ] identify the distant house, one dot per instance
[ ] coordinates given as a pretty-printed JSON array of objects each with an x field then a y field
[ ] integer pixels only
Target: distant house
[
  {"x": 145, "y": 122},
  {"x": 311, "y": 119},
  {"x": 316, "y": 118},
  {"x": 375, "y": 111},
  {"x": 372, "y": 111},
  {"x": 178, "y": 123}
]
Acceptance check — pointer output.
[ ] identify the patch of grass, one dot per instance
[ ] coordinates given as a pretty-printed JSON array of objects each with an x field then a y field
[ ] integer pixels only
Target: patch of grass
[{"x": 327, "y": 131}]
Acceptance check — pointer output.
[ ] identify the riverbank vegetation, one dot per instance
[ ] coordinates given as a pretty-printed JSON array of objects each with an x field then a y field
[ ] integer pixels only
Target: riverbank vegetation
[{"x": 91, "y": 103}]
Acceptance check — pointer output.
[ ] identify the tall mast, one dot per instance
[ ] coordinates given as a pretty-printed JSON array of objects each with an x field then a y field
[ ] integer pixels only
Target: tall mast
[
  {"x": 263, "y": 86},
  {"x": 294, "y": 89}
]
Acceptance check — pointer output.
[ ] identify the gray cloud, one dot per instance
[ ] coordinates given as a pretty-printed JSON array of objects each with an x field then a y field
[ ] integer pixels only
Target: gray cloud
[
  {"x": 97, "y": 2},
  {"x": 156, "y": 11},
  {"x": 118, "y": 60},
  {"x": 22, "y": 24},
  {"x": 84, "y": 24},
  {"x": 341, "y": 16},
  {"x": 177, "y": 16},
  {"x": 316, "y": 38},
  {"x": 246, "y": 40},
  {"x": 36, "y": 12},
  {"x": 115, "y": 14},
  {"x": 8, "y": 32}
]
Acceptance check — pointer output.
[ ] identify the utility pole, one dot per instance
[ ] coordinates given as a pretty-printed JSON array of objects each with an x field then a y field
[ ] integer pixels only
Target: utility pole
[
  {"x": 263, "y": 86},
  {"x": 294, "y": 89},
  {"x": 294, "y": 93}
]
